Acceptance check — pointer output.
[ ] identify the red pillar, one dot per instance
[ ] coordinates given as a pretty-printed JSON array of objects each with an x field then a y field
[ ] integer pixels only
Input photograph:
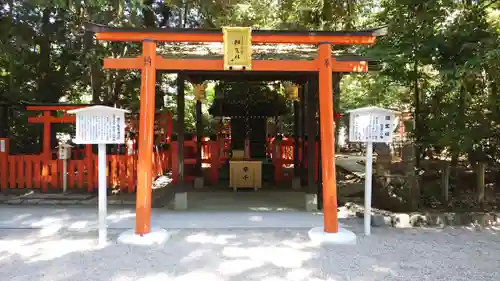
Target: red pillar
[
  {"x": 327, "y": 133},
  {"x": 46, "y": 134},
  {"x": 175, "y": 158},
  {"x": 277, "y": 156},
  {"x": 146, "y": 135},
  {"x": 47, "y": 154},
  {"x": 169, "y": 127},
  {"x": 4, "y": 154},
  {"x": 90, "y": 167},
  {"x": 214, "y": 154}
]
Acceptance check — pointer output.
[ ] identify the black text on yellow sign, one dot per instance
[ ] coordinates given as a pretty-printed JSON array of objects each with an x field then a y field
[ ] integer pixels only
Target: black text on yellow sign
[{"x": 237, "y": 48}]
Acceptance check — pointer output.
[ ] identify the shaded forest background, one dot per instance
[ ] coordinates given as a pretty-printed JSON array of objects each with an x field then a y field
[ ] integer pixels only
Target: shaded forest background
[{"x": 440, "y": 61}]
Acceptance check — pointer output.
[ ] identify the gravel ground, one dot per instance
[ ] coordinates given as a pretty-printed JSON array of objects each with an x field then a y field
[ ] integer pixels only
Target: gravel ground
[{"x": 253, "y": 254}]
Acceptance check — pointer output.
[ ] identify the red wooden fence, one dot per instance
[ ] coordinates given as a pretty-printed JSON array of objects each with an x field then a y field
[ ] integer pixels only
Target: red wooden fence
[
  {"x": 38, "y": 172},
  {"x": 214, "y": 155},
  {"x": 34, "y": 172},
  {"x": 41, "y": 172}
]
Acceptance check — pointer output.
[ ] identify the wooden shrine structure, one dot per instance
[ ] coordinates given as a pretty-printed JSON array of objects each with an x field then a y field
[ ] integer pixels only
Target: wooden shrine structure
[{"x": 316, "y": 76}]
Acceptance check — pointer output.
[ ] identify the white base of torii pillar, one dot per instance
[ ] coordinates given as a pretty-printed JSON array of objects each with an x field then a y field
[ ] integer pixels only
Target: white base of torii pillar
[
  {"x": 342, "y": 237},
  {"x": 156, "y": 236}
]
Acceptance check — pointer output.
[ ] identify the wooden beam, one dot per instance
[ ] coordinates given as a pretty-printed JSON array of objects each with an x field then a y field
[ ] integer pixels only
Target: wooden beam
[
  {"x": 138, "y": 36},
  {"x": 189, "y": 64},
  {"x": 218, "y": 65},
  {"x": 187, "y": 33},
  {"x": 349, "y": 66},
  {"x": 53, "y": 107},
  {"x": 52, "y": 119},
  {"x": 261, "y": 76}
]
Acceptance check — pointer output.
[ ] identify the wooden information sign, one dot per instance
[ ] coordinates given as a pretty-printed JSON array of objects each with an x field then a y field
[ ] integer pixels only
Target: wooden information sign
[
  {"x": 100, "y": 125},
  {"x": 237, "y": 48},
  {"x": 370, "y": 124}
]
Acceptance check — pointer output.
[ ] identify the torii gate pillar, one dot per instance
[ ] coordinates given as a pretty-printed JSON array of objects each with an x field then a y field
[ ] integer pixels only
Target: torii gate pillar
[
  {"x": 327, "y": 133},
  {"x": 146, "y": 135}
]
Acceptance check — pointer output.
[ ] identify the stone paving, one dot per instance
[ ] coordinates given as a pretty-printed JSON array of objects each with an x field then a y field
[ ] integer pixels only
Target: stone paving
[
  {"x": 123, "y": 217},
  {"x": 254, "y": 202},
  {"x": 37, "y": 198}
]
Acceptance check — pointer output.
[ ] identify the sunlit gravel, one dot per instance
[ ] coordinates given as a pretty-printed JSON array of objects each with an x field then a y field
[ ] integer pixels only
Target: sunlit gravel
[{"x": 253, "y": 254}]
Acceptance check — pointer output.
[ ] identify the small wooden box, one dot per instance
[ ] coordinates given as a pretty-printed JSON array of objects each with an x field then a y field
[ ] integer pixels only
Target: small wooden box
[{"x": 245, "y": 174}]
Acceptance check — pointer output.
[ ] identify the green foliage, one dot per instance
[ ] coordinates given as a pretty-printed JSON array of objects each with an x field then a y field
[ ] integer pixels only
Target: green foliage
[{"x": 443, "y": 52}]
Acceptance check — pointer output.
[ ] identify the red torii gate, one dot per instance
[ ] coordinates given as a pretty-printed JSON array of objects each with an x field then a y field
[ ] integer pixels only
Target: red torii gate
[
  {"x": 47, "y": 120},
  {"x": 149, "y": 62}
]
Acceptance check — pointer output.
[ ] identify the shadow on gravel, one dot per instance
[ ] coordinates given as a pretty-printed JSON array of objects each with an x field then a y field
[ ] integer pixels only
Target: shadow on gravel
[{"x": 257, "y": 254}]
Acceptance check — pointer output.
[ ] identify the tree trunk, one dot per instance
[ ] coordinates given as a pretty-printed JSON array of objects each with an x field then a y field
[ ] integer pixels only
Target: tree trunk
[
  {"x": 327, "y": 13},
  {"x": 149, "y": 15},
  {"x": 46, "y": 90},
  {"x": 350, "y": 15},
  {"x": 445, "y": 181},
  {"x": 95, "y": 74},
  {"x": 95, "y": 71},
  {"x": 44, "y": 59},
  {"x": 418, "y": 136},
  {"x": 480, "y": 182},
  {"x": 186, "y": 12},
  {"x": 409, "y": 158},
  {"x": 166, "y": 13},
  {"x": 6, "y": 38}
]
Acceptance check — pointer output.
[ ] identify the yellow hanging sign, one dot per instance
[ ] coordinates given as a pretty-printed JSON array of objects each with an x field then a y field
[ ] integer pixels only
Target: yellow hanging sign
[
  {"x": 291, "y": 91},
  {"x": 199, "y": 91},
  {"x": 237, "y": 48}
]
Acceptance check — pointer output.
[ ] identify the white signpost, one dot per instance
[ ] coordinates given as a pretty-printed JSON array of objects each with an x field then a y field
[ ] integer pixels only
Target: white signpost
[
  {"x": 369, "y": 125},
  {"x": 100, "y": 125}
]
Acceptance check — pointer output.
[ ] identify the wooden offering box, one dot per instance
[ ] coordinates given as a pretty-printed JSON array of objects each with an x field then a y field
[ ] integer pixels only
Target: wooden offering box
[{"x": 245, "y": 174}]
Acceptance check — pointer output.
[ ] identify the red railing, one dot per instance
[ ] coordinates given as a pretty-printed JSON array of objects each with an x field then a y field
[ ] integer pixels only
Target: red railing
[
  {"x": 41, "y": 172},
  {"x": 214, "y": 155},
  {"x": 35, "y": 172}
]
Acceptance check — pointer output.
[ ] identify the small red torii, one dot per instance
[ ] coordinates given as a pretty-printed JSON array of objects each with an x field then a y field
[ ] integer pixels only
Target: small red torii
[{"x": 47, "y": 120}]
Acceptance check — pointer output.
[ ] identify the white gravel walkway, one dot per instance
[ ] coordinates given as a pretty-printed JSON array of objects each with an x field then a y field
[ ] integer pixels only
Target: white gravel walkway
[{"x": 252, "y": 254}]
